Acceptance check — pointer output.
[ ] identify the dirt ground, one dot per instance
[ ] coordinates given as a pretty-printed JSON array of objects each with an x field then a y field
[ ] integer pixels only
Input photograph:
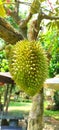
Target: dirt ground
[{"x": 51, "y": 124}]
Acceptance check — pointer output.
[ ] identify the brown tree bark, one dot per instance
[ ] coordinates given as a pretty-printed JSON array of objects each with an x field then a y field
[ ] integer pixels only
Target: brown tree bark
[
  {"x": 8, "y": 33},
  {"x": 35, "y": 121}
]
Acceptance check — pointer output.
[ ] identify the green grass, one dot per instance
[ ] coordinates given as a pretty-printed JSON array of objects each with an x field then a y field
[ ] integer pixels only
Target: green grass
[
  {"x": 25, "y": 106},
  {"x": 50, "y": 113},
  {"x": 13, "y": 103}
]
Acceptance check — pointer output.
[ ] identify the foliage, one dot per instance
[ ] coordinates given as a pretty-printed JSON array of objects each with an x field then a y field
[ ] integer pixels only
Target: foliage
[
  {"x": 2, "y": 90},
  {"x": 12, "y": 22},
  {"x": 51, "y": 112},
  {"x": 54, "y": 65},
  {"x": 56, "y": 99},
  {"x": 3, "y": 62},
  {"x": 50, "y": 41}
]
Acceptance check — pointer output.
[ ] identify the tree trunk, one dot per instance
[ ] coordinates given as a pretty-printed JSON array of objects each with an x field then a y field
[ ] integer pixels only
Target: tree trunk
[{"x": 35, "y": 121}]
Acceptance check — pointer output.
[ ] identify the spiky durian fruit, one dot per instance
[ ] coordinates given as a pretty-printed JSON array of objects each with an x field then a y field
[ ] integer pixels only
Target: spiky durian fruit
[
  {"x": 28, "y": 65},
  {"x": 35, "y": 6}
]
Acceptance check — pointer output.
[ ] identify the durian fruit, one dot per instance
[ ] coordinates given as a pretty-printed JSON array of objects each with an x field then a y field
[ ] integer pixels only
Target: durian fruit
[
  {"x": 28, "y": 66},
  {"x": 35, "y": 6}
]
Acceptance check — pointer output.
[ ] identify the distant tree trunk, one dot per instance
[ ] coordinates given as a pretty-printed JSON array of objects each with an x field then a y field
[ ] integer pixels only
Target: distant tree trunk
[{"x": 35, "y": 121}]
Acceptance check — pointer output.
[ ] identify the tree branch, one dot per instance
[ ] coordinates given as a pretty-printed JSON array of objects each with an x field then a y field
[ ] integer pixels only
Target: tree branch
[
  {"x": 8, "y": 33},
  {"x": 17, "y": 6},
  {"x": 13, "y": 14},
  {"x": 45, "y": 16},
  {"x": 26, "y": 3},
  {"x": 23, "y": 25},
  {"x": 42, "y": 16},
  {"x": 20, "y": 2},
  {"x": 35, "y": 27}
]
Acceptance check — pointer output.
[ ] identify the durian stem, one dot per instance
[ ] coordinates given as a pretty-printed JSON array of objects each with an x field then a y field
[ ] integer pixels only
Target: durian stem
[{"x": 35, "y": 121}]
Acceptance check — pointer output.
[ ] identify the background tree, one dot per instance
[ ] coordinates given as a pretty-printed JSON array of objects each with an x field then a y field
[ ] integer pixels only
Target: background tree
[
  {"x": 56, "y": 99},
  {"x": 50, "y": 41},
  {"x": 28, "y": 28}
]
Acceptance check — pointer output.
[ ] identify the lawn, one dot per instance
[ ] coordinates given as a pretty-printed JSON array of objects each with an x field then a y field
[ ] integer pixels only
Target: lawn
[
  {"x": 17, "y": 103},
  {"x": 51, "y": 113},
  {"x": 24, "y": 107}
]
